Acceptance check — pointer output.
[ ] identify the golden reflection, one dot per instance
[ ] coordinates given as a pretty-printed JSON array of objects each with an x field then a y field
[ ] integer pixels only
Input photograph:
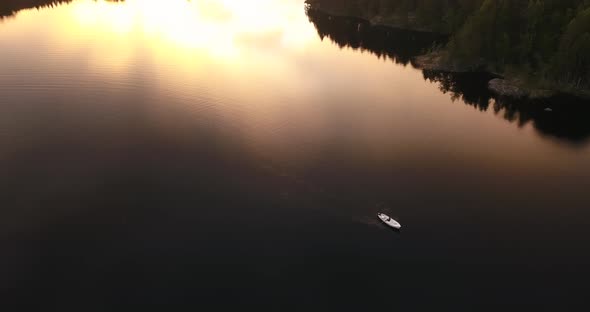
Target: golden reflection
[
  {"x": 257, "y": 66},
  {"x": 175, "y": 35},
  {"x": 219, "y": 27}
]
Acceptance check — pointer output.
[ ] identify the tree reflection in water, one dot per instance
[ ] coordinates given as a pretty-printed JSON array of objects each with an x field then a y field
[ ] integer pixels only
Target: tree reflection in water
[
  {"x": 396, "y": 44},
  {"x": 567, "y": 121}
]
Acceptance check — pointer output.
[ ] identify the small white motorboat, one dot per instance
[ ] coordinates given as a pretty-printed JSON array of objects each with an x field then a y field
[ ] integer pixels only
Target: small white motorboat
[{"x": 389, "y": 221}]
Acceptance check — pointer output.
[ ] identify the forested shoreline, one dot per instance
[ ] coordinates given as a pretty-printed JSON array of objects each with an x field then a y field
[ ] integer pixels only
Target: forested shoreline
[
  {"x": 542, "y": 44},
  {"x": 567, "y": 119},
  {"x": 10, "y": 7}
]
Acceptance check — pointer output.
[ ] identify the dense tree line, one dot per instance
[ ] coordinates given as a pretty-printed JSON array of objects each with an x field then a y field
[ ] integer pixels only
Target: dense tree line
[
  {"x": 440, "y": 15},
  {"x": 9, "y": 7},
  {"x": 545, "y": 39}
]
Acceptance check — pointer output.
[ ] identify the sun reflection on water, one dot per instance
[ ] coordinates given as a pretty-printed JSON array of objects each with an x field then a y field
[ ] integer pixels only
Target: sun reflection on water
[{"x": 220, "y": 28}]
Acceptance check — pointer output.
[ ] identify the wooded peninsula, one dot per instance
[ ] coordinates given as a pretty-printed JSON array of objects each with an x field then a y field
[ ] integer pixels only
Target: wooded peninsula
[{"x": 534, "y": 44}]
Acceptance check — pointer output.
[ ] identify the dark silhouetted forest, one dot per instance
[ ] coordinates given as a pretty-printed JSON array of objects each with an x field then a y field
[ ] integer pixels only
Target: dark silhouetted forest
[
  {"x": 544, "y": 41},
  {"x": 10, "y": 7}
]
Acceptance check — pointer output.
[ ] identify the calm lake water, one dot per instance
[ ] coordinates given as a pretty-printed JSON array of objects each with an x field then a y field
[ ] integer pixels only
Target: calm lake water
[{"x": 235, "y": 153}]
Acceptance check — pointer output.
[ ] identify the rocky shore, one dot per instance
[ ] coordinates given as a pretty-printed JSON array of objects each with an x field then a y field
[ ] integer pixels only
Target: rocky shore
[
  {"x": 515, "y": 89},
  {"x": 500, "y": 85}
]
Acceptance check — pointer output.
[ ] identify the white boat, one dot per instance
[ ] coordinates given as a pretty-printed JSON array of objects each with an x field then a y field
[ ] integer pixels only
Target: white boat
[{"x": 389, "y": 221}]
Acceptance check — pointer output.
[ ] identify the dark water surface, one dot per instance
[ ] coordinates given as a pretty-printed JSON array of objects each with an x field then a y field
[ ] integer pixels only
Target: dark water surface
[{"x": 170, "y": 155}]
